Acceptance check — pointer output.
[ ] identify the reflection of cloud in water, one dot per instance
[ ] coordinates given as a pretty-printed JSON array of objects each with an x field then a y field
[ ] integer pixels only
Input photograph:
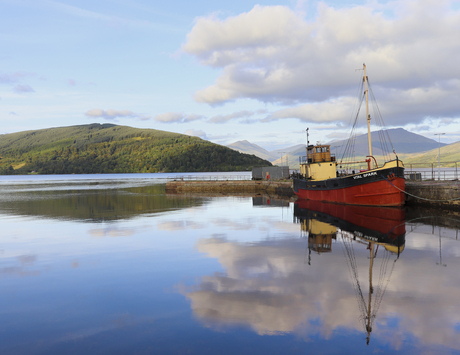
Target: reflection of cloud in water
[
  {"x": 17, "y": 271},
  {"x": 111, "y": 232},
  {"x": 268, "y": 287},
  {"x": 179, "y": 225},
  {"x": 25, "y": 261},
  {"x": 232, "y": 224},
  {"x": 268, "y": 224}
]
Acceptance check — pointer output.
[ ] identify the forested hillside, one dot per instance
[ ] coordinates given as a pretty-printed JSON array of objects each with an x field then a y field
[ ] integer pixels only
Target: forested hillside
[{"x": 109, "y": 148}]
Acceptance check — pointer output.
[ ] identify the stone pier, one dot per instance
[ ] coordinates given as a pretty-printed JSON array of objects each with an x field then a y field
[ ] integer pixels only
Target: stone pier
[
  {"x": 280, "y": 188},
  {"x": 434, "y": 194}
]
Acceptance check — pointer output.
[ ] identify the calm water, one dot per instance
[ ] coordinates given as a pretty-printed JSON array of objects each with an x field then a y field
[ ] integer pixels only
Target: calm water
[{"x": 110, "y": 264}]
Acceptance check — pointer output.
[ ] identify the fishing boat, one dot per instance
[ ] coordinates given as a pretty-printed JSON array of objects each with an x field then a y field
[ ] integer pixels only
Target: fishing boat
[{"x": 323, "y": 178}]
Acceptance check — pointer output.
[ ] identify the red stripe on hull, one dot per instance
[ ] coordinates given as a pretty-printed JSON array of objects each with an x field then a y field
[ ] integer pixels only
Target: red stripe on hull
[{"x": 377, "y": 193}]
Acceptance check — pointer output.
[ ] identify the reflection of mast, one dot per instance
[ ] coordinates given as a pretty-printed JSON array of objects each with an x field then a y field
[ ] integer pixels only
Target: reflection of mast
[
  {"x": 369, "y": 310},
  {"x": 371, "y": 291}
]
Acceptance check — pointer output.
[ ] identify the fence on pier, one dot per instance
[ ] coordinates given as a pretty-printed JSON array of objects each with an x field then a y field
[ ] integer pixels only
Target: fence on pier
[
  {"x": 206, "y": 177},
  {"x": 431, "y": 171}
]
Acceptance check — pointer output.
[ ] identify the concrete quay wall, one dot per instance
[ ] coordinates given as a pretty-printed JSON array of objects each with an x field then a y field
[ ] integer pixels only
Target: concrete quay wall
[
  {"x": 434, "y": 194},
  {"x": 281, "y": 188}
]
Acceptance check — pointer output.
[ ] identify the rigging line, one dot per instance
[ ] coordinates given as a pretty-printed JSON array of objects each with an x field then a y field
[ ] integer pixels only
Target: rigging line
[
  {"x": 379, "y": 301},
  {"x": 381, "y": 122},
  {"x": 355, "y": 281},
  {"x": 421, "y": 198},
  {"x": 352, "y": 268},
  {"x": 349, "y": 147},
  {"x": 356, "y": 108},
  {"x": 411, "y": 221},
  {"x": 433, "y": 217},
  {"x": 382, "y": 272}
]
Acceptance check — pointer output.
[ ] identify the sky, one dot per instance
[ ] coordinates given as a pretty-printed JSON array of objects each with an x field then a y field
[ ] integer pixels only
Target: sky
[{"x": 227, "y": 71}]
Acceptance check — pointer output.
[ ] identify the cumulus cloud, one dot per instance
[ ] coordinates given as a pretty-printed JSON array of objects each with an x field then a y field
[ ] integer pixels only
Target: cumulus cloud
[
  {"x": 226, "y": 118},
  {"x": 329, "y": 111},
  {"x": 196, "y": 133},
  {"x": 114, "y": 114},
  {"x": 273, "y": 54},
  {"x": 176, "y": 117}
]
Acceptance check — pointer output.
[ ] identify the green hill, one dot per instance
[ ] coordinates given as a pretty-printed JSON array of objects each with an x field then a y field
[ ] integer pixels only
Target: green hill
[
  {"x": 110, "y": 148},
  {"x": 449, "y": 154}
]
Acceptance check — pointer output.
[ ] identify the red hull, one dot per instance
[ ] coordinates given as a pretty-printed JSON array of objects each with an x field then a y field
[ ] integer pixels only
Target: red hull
[{"x": 376, "y": 193}]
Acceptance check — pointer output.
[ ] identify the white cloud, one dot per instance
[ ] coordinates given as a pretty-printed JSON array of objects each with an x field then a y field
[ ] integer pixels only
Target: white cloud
[
  {"x": 272, "y": 54},
  {"x": 174, "y": 117},
  {"x": 328, "y": 111},
  {"x": 196, "y": 133},
  {"x": 226, "y": 118},
  {"x": 111, "y": 114}
]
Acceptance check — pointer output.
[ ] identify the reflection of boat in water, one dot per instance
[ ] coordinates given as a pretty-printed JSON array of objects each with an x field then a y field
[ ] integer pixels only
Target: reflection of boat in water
[
  {"x": 371, "y": 185},
  {"x": 371, "y": 226}
]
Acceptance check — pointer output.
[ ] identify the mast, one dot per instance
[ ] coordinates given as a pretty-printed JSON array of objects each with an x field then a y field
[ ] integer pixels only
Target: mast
[{"x": 368, "y": 117}]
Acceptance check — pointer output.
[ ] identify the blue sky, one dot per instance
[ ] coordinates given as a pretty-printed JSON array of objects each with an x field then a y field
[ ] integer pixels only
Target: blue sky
[{"x": 229, "y": 71}]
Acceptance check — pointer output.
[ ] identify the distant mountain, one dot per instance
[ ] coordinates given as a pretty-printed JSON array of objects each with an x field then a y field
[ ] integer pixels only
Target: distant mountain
[
  {"x": 109, "y": 148},
  {"x": 404, "y": 143},
  {"x": 251, "y": 148},
  {"x": 288, "y": 150}
]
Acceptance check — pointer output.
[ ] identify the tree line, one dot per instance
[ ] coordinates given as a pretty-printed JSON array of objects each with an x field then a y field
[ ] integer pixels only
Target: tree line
[{"x": 136, "y": 152}]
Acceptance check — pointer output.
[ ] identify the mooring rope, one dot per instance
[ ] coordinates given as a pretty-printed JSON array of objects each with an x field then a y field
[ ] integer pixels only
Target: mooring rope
[{"x": 421, "y": 198}]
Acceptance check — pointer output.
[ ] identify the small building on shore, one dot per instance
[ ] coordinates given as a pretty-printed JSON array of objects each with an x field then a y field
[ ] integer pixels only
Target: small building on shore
[{"x": 270, "y": 173}]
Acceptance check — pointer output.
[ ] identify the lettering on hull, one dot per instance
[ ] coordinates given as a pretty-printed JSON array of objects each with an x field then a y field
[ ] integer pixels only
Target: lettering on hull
[{"x": 365, "y": 175}]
